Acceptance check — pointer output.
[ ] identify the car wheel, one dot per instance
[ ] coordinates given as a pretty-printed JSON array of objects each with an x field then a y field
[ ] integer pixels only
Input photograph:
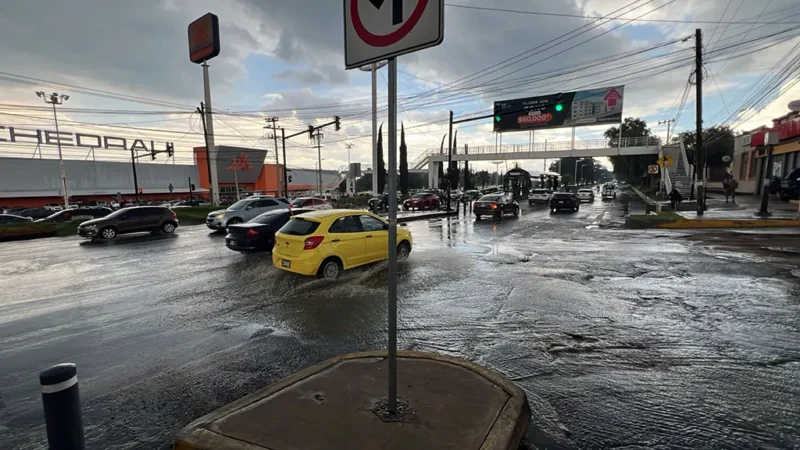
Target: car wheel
[
  {"x": 330, "y": 269},
  {"x": 403, "y": 250},
  {"x": 477, "y": 218},
  {"x": 530, "y": 202},
  {"x": 108, "y": 233},
  {"x": 168, "y": 228},
  {"x": 499, "y": 215},
  {"x": 516, "y": 211}
]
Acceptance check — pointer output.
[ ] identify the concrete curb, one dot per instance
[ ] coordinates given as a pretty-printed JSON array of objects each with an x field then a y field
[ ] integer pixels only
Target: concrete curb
[
  {"x": 505, "y": 434},
  {"x": 729, "y": 223},
  {"x": 425, "y": 216}
]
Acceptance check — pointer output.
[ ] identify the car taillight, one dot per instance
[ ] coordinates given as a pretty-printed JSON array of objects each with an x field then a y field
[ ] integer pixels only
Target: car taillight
[
  {"x": 174, "y": 216},
  {"x": 473, "y": 204},
  {"x": 312, "y": 242},
  {"x": 252, "y": 232},
  {"x": 494, "y": 205}
]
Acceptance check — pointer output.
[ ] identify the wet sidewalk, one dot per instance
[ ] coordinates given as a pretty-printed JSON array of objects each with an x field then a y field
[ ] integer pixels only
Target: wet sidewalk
[
  {"x": 443, "y": 403},
  {"x": 745, "y": 208}
]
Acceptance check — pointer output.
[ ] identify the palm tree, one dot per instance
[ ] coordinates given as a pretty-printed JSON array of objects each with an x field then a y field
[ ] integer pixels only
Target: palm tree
[{"x": 483, "y": 178}]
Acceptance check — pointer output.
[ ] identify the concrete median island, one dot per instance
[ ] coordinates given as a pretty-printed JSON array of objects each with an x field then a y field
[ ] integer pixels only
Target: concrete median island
[{"x": 451, "y": 404}]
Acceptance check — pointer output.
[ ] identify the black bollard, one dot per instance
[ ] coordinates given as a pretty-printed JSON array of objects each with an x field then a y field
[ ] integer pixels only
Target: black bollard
[{"x": 62, "y": 407}]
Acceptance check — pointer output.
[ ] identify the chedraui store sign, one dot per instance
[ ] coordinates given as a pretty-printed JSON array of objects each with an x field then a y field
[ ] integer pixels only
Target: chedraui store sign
[{"x": 85, "y": 140}]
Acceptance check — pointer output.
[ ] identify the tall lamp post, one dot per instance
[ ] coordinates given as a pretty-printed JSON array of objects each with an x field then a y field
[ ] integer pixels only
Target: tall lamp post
[
  {"x": 374, "y": 69},
  {"x": 55, "y": 99}
]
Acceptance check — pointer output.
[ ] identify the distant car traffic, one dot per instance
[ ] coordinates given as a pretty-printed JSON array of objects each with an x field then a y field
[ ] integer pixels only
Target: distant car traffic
[
  {"x": 68, "y": 215},
  {"x": 381, "y": 203},
  {"x": 423, "y": 200},
  {"x": 155, "y": 219},
  {"x": 258, "y": 234},
  {"x": 324, "y": 243},
  {"x": 586, "y": 195},
  {"x": 7, "y": 219},
  {"x": 564, "y": 200},
  {"x": 310, "y": 203},
  {"x": 496, "y": 205},
  {"x": 35, "y": 213},
  {"x": 470, "y": 195},
  {"x": 608, "y": 192},
  {"x": 539, "y": 196},
  {"x": 244, "y": 210},
  {"x": 54, "y": 206}
]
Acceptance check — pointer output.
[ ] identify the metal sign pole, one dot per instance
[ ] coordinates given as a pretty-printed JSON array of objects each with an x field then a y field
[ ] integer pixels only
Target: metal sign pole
[
  {"x": 213, "y": 179},
  {"x": 392, "y": 179}
]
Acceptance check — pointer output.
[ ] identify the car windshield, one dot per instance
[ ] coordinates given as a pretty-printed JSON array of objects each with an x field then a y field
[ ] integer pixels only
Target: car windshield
[
  {"x": 420, "y": 195},
  {"x": 539, "y": 191},
  {"x": 297, "y": 201},
  {"x": 299, "y": 227},
  {"x": 563, "y": 194},
  {"x": 585, "y": 191},
  {"x": 491, "y": 198}
]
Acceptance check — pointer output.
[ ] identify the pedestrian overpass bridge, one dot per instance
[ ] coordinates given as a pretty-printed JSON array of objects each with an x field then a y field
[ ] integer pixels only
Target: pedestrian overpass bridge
[
  {"x": 545, "y": 150},
  {"x": 541, "y": 150}
]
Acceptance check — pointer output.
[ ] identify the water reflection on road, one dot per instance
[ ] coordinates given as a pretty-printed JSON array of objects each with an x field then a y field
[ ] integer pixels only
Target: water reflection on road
[{"x": 620, "y": 338}]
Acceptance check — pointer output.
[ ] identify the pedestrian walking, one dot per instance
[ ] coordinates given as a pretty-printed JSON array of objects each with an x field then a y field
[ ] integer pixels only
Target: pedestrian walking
[
  {"x": 675, "y": 198},
  {"x": 729, "y": 185}
]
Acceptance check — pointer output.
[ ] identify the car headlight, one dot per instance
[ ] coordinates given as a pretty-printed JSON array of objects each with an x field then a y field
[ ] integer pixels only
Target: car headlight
[
  {"x": 89, "y": 227},
  {"x": 220, "y": 216}
]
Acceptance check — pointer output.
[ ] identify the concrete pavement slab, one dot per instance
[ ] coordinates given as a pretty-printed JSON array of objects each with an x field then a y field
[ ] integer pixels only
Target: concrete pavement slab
[{"x": 453, "y": 404}]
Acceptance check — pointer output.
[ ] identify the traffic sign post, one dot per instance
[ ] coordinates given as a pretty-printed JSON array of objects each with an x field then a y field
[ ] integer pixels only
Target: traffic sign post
[
  {"x": 376, "y": 30},
  {"x": 665, "y": 161}
]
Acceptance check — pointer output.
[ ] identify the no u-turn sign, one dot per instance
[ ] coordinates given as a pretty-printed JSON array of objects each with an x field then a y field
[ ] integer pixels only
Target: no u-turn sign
[{"x": 375, "y": 30}]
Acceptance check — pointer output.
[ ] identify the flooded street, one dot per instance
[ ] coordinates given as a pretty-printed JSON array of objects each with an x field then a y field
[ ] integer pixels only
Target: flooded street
[{"x": 621, "y": 339}]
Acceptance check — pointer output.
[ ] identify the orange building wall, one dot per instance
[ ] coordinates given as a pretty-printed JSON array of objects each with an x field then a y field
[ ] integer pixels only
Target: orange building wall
[{"x": 266, "y": 182}]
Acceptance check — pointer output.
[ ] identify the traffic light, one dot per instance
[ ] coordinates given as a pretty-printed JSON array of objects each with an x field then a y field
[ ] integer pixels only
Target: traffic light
[
  {"x": 191, "y": 187},
  {"x": 140, "y": 190},
  {"x": 338, "y": 124},
  {"x": 311, "y": 131},
  {"x": 170, "y": 149},
  {"x": 290, "y": 178},
  {"x": 559, "y": 103}
]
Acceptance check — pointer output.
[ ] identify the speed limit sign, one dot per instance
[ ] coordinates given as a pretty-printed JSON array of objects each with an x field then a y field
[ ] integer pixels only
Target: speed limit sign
[{"x": 375, "y": 30}]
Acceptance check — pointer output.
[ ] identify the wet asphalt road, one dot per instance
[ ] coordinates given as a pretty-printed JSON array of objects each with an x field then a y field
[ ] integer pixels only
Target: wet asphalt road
[{"x": 622, "y": 339}]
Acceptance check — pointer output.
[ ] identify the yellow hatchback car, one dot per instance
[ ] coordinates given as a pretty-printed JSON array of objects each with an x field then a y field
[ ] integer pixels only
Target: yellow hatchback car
[{"x": 323, "y": 243}]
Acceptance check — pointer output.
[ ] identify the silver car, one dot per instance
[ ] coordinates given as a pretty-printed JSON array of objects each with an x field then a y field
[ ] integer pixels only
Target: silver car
[{"x": 244, "y": 210}]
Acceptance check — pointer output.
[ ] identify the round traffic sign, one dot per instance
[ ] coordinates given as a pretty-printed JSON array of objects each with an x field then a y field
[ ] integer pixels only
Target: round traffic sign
[{"x": 384, "y": 40}]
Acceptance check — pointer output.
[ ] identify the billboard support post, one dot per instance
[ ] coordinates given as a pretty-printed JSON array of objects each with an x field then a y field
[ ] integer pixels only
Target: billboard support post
[{"x": 213, "y": 182}]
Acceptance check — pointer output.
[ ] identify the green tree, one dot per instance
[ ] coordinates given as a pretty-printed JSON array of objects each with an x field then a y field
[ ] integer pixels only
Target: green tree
[
  {"x": 442, "y": 179},
  {"x": 567, "y": 179},
  {"x": 381, "y": 164},
  {"x": 633, "y": 167},
  {"x": 482, "y": 178},
  {"x": 453, "y": 172},
  {"x": 403, "y": 162},
  {"x": 718, "y": 142}
]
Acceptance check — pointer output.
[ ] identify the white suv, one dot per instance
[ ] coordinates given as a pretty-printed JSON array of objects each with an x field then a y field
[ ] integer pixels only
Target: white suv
[{"x": 244, "y": 210}]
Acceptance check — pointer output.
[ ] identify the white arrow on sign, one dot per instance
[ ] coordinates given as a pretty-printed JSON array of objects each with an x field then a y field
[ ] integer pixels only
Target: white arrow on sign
[{"x": 374, "y": 32}]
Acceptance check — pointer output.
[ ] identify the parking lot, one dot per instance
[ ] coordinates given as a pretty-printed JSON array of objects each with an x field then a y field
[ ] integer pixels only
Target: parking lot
[{"x": 620, "y": 338}]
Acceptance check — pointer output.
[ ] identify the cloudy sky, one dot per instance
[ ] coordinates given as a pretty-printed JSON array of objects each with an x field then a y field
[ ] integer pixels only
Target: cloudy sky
[{"x": 125, "y": 66}]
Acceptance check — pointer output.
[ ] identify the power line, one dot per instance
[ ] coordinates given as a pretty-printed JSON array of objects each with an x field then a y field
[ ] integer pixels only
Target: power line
[{"x": 579, "y": 16}]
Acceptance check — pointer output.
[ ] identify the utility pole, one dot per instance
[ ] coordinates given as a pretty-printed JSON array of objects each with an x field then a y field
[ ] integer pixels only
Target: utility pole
[
  {"x": 449, "y": 160},
  {"x": 318, "y": 136},
  {"x": 202, "y": 111},
  {"x": 135, "y": 180},
  {"x": 208, "y": 130},
  {"x": 349, "y": 173},
  {"x": 55, "y": 99},
  {"x": 668, "y": 122},
  {"x": 699, "y": 159},
  {"x": 373, "y": 68},
  {"x": 285, "y": 176},
  {"x": 274, "y": 128}
]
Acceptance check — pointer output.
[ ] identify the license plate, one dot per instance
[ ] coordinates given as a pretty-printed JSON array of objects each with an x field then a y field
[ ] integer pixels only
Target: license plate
[
  {"x": 286, "y": 263},
  {"x": 231, "y": 243},
  {"x": 559, "y": 202}
]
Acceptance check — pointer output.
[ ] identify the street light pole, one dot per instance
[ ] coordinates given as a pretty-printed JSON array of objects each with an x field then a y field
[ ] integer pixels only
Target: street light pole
[
  {"x": 55, "y": 99},
  {"x": 319, "y": 136},
  {"x": 373, "y": 68}
]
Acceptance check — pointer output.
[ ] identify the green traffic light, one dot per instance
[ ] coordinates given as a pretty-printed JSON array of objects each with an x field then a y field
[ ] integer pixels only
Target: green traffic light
[
  {"x": 497, "y": 118},
  {"x": 559, "y": 107}
]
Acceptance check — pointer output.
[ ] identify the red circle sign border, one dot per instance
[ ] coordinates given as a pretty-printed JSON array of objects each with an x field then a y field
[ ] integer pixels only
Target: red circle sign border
[{"x": 385, "y": 40}]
